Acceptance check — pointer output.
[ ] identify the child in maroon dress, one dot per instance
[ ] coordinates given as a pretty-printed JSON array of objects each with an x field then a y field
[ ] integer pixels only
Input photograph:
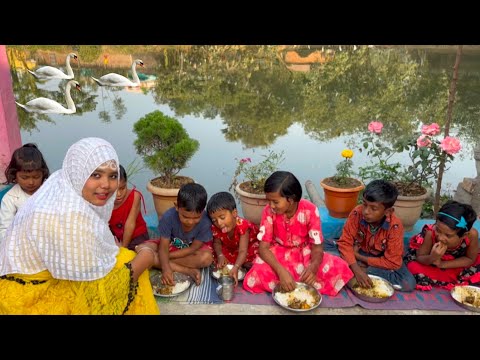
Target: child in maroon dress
[
  {"x": 126, "y": 222},
  {"x": 234, "y": 238},
  {"x": 445, "y": 254}
]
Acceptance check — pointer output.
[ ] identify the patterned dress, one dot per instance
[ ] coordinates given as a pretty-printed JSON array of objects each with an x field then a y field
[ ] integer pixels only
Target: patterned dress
[
  {"x": 230, "y": 245},
  {"x": 430, "y": 275},
  {"x": 291, "y": 243}
]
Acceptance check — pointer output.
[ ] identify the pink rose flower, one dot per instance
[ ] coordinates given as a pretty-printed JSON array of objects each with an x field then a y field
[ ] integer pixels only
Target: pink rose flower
[
  {"x": 424, "y": 141},
  {"x": 450, "y": 145},
  {"x": 375, "y": 127},
  {"x": 431, "y": 130}
]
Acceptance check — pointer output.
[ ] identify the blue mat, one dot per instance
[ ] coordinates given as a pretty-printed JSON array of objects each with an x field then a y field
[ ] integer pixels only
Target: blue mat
[{"x": 205, "y": 293}]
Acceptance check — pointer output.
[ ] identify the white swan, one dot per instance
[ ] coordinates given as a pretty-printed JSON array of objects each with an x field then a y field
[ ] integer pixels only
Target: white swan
[
  {"x": 48, "y": 106},
  {"x": 114, "y": 79},
  {"x": 50, "y": 72}
]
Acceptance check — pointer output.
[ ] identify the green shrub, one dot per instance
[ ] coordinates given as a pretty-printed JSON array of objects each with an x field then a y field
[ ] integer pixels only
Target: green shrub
[{"x": 164, "y": 144}]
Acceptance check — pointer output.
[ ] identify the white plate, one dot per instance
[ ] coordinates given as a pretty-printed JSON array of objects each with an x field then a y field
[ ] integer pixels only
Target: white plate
[
  {"x": 216, "y": 273},
  {"x": 460, "y": 294},
  {"x": 303, "y": 290},
  {"x": 182, "y": 284},
  {"x": 383, "y": 285}
]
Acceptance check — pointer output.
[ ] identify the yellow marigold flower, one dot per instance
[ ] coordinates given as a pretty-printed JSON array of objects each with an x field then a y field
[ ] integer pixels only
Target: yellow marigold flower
[{"x": 347, "y": 153}]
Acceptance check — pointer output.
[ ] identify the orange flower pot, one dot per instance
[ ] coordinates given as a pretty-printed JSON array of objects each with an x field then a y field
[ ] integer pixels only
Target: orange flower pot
[{"x": 340, "y": 202}]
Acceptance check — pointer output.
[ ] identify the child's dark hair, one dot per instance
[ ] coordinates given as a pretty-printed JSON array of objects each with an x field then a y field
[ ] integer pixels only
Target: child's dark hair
[
  {"x": 381, "y": 191},
  {"x": 123, "y": 174},
  {"x": 26, "y": 158},
  {"x": 192, "y": 197},
  {"x": 451, "y": 214},
  {"x": 221, "y": 201},
  {"x": 285, "y": 183}
]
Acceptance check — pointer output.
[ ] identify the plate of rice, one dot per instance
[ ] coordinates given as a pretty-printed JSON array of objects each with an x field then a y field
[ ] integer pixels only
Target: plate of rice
[
  {"x": 217, "y": 273},
  {"x": 381, "y": 291},
  {"x": 303, "y": 298},
  {"x": 467, "y": 297},
  {"x": 182, "y": 283}
]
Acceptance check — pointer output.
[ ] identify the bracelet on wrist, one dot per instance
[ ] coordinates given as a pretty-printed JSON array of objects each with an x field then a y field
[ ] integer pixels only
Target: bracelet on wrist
[
  {"x": 236, "y": 265},
  {"x": 220, "y": 255}
]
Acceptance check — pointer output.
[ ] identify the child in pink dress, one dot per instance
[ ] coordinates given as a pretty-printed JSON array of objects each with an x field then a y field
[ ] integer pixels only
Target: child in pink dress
[
  {"x": 291, "y": 239},
  {"x": 234, "y": 238}
]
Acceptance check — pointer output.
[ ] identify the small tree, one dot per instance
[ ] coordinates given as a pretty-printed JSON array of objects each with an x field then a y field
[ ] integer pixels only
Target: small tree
[{"x": 164, "y": 144}]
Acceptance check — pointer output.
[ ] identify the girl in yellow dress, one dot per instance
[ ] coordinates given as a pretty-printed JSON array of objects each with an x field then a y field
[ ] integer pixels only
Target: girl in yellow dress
[{"x": 59, "y": 256}]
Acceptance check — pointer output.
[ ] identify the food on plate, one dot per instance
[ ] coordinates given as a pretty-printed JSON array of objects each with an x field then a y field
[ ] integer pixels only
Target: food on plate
[
  {"x": 467, "y": 295},
  {"x": 300, "y": 298},
  {"x": 379, "y": 289},
  {"x": 225, "y": 271},
  {"x": 171, "y": 290}
]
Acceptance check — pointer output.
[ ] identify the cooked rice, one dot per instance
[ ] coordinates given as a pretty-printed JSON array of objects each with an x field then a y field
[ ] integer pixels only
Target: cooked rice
[
  {"x": 300, "y": 298},
  {"x": 171, "y": 290},
  {"x": 226, "y": 270},
  {"x": 467, "y": 296},
  {"x": 379, "y": 290}
]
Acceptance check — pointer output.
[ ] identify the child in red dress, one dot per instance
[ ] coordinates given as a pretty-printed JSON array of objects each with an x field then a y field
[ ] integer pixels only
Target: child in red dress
[
  {"x": 445, "y": 254},
  {"x": 291, "y": 239},
  {"x": 126, "y": 222},
  {"x": 234, "y": 238}
]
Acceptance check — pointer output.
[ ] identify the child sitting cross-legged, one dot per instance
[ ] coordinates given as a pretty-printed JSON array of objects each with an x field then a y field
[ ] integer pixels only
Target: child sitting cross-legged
[
  {"x": 184, "y": 235},
  {"x": 291, "y": 239},
  {"x": 445, "y": 253},
  {"x": 234, "y": 238},
  {"x": 372, "y": 239}
]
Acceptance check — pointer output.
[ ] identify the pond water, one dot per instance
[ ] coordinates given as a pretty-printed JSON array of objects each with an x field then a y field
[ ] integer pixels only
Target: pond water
[{"x": 244, "y": 101}]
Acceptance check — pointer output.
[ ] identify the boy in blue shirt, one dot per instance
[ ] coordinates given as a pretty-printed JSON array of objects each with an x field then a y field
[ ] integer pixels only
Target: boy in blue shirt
[{"x": 184, "y": 232}]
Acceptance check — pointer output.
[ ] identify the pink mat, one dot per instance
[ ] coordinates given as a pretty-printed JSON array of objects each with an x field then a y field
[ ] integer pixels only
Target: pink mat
[{"x": 436, "y": 299}]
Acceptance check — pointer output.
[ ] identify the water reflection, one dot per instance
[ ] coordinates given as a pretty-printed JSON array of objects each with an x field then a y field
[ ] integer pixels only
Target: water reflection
[{"x": 250, "y": 98}]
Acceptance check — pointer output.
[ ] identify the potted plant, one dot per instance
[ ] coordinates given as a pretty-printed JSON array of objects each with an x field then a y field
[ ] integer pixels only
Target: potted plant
[
  {"x": 166, "y": 149},
  {"x": 250, "y": 188},
  {"x": 412, "y": 180},
  {"x": 341, "y": 190}
]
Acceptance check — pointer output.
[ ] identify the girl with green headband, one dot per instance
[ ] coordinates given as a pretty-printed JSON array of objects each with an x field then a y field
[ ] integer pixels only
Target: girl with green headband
[{"x": 445, "y": 254}]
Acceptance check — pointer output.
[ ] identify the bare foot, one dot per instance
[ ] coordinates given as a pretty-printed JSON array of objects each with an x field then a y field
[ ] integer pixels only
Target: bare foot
[{"x": 195, "y": 275}]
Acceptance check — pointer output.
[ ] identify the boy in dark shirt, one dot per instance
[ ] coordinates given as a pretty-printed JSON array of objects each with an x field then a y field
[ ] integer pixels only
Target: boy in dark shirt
[{"x": 184, "y": 231}]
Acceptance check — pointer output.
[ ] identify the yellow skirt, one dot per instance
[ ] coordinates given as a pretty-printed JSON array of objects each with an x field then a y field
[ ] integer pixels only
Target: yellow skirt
[{"x": 114, "y": 294}]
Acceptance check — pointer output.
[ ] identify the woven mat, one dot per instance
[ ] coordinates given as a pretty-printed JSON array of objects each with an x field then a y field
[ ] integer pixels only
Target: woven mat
[{"x": 436, "y": 299}]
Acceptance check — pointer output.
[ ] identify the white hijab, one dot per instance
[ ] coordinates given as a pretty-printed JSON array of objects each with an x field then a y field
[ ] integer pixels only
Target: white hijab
[{"x": 57, "y": 229}]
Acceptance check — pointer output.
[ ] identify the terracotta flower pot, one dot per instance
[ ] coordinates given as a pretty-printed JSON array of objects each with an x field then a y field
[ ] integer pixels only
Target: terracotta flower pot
[
  {"x": 164, "y": 198},
  {"x": 408, "y": 209},
  {"x": 339, "y": 201},
  {"x": 252, "y": 204}
]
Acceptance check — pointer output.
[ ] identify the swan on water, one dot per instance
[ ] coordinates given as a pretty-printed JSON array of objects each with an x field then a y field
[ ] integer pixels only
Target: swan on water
[
  {"x": 50, "y": 72},
  {"x": 48, "y": 106},
  {"x": 114, "y": 79}
]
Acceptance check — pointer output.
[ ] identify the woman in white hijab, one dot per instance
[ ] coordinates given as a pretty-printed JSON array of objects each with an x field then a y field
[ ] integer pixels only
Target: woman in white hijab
[{"x": 59, "y": 256}]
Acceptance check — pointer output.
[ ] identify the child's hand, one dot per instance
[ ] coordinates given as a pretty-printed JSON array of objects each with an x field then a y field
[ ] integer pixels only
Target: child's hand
[
  {"x": 234, "y": 273},
  {"x": 308, "y": 276},
  {"x": 221, "y": 261},
  {"x": 167, "y": 277},
  {"x": 438, "y": 250},
  {"x": 287, "y": 282},
  {"x": 362, "y": 277}
]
